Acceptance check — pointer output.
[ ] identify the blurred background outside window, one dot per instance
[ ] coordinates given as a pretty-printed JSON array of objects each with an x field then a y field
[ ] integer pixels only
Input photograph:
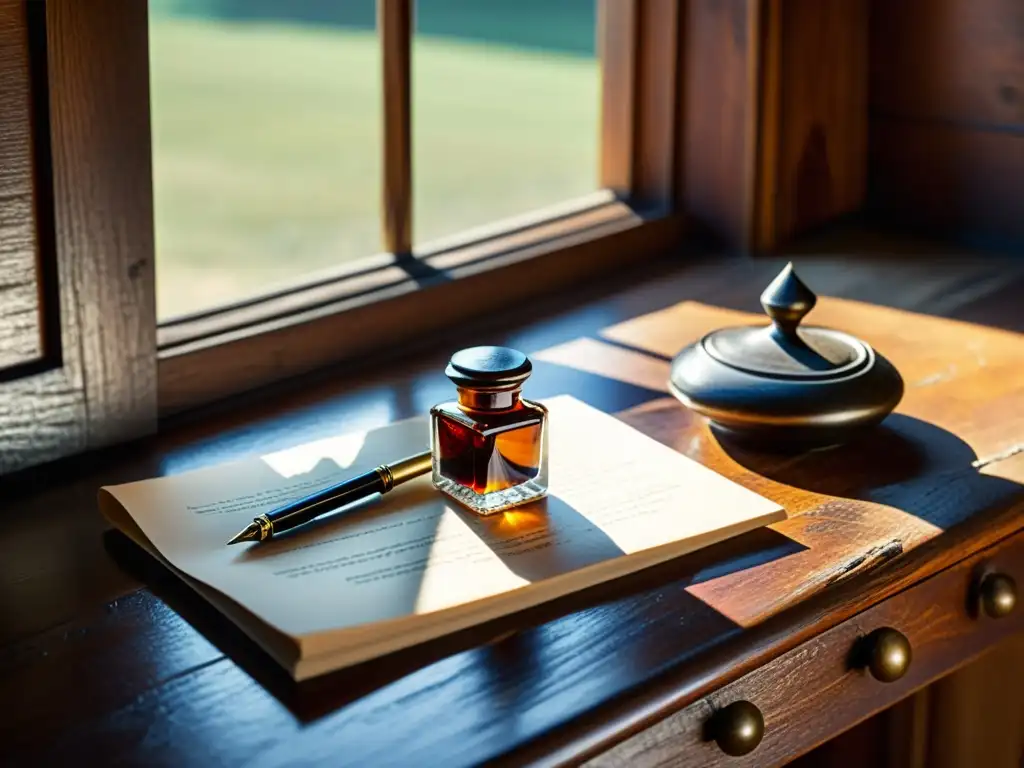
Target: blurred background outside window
[{"x": 267, "y": 131}]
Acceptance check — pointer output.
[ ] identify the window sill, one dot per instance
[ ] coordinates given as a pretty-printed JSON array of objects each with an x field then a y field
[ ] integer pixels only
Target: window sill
[{"x": 390, "y": 300}]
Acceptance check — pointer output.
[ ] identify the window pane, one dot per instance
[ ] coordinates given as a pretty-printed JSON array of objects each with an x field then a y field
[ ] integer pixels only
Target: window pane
[
  {"x": 266, "y": 144},
  {"x": 505, "y": 109}
]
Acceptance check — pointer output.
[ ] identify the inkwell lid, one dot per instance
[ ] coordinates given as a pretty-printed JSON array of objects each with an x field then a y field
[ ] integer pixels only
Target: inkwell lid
[
  {"x": 786, "y": 385},
  {"x": 489, "y": 368}
]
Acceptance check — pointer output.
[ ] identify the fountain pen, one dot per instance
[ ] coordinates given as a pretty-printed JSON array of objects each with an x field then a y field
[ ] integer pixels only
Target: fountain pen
[{"x": 299, "y": 512}]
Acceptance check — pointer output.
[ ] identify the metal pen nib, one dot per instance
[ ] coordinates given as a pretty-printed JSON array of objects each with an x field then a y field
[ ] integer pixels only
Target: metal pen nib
[{"x": 251, "y": 533}]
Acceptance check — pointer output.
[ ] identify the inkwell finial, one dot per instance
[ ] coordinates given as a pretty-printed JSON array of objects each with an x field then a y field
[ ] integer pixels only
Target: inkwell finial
[{"x": 787, "y": 300}]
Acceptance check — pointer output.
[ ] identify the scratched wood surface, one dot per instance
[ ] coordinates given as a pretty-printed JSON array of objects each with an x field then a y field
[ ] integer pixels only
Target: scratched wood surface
[
  {"x": 812, "y": 692},
  {"x": 159, "y": 678}
]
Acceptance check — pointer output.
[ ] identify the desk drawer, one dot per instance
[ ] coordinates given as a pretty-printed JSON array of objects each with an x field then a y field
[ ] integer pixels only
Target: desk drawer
[{"x": 819, "y": 689}]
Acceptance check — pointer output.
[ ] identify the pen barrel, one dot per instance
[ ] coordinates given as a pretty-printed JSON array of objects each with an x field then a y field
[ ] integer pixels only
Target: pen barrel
[{"x": 320, "y": 503}]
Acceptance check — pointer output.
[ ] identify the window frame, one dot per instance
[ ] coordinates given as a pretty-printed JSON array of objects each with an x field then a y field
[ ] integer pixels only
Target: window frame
[
  {"x": 90, "y": 221},
  {"x": 366, "y": 306},
  {"x": 700, "y": 132}
]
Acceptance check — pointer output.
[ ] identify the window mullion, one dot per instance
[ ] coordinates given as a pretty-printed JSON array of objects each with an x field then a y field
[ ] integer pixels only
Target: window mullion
[
  {"x": 394, "y": 21},
  {"x": 617, "y": 46}
]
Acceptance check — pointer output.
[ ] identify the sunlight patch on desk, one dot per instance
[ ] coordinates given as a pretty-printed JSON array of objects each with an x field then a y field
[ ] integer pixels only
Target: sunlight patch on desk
[
  {"x": 603, "y": 359},
  {"x": 457, "y": 547},
  {"x": 668, "y": 330}
]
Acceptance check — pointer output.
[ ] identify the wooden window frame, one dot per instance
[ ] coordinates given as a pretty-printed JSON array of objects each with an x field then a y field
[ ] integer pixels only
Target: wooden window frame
[
  {"x": 775, "y": 100},
  {"x": 398, "y": 296},
  {"x": 713, "y": 118},
  {"x": 89, "y": 223}
]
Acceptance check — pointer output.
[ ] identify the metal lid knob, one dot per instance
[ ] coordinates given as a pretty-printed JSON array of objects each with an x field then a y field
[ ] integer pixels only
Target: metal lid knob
[
  {"x": 888, "y": 654},
  {"x": 786, "y": 300},
  {"x": 737, "y": 728},
  {"x": 998, "y": 595}
]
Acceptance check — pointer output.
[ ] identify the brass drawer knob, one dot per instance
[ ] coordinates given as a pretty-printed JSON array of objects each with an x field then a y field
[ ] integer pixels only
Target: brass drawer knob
[
  {"x": 998, "y": 595},
  {"x": 737, "y": 728},
  {"x": 887, "y": 654}
]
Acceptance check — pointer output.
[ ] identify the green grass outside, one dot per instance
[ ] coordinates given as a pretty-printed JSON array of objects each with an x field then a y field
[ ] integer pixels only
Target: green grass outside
[{"x": 266, "y": 147}]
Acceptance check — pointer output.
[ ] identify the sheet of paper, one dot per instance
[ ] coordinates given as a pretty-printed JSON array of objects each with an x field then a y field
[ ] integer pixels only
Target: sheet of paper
[{"x": 413, "y": 551}]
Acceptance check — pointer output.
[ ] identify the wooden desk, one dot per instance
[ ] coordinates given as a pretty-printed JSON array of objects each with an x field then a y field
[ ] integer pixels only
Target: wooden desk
[{"x": 106, "y": 657}]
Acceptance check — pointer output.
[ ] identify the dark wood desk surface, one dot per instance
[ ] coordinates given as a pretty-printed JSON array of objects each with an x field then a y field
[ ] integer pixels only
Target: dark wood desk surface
[{"x": 105, "y": 656}]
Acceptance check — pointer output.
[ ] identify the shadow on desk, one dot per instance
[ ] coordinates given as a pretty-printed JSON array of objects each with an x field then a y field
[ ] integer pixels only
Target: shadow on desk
[
  {"x": 507, "y": 653},
  {"x": 907, "y": 463}
]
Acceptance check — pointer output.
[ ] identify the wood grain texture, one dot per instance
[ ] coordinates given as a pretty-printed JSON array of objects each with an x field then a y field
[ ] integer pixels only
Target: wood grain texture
[
  {"x": 395, "y": 25},
  {"x": 103, "y": 191},
  {"x": 949, "y": 61},
  {"x": 903, "y": 732},
  {"x": 864, "y": 744},
  {"x": 657, "y": 104},
  {"x": 949, "y": 179},
  {"x": 640, "y": 100},
  {"x": 105, "y": 388},
  {"x": 43, "y": 416},
  {"x": 721, "y": 41},
  {"x": 775, "y": 116},
  {"x": 814, "y": 115},
  {"x": 617, "y": 43},
  {"x": 20, "y": 316},
  {"x": 160, "y": 678},
  {"x": 815, "y": 691},
  {"x": 947, "y": 105},
  {"x": 976, "y": 715}
]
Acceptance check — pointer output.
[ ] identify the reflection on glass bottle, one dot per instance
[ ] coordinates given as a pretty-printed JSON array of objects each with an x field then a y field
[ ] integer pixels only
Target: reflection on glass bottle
[{"x": 490, "y": 446}]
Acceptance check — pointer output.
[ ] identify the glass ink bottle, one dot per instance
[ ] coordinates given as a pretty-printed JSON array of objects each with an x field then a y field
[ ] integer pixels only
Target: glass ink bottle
[{"x": 489, "y": 447}]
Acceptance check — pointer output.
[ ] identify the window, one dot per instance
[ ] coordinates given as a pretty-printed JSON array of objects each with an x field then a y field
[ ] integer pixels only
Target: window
[
  {"x": 508, "y": 130},
  {"x": 692, "y": 97},
  {"x": 317, "y": 180},
  {"x": 266, "y": 120},
  {"x": 505, "y": 99},
  {"x": 266, "y": 145}
]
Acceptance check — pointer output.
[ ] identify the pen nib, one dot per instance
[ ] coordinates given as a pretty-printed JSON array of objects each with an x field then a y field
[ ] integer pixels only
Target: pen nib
[{"x": 251, "y": 533}]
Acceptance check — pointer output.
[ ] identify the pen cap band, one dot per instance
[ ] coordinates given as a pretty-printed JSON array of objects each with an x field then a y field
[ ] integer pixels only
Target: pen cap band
[
  {"x": 386, "y": 478},
  {"x": 408, "y": 468}
]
